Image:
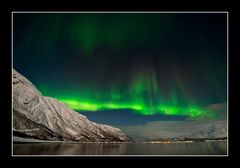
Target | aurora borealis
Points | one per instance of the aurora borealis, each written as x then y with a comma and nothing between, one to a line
146,64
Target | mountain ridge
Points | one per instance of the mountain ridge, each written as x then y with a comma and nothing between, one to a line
46,118
212,131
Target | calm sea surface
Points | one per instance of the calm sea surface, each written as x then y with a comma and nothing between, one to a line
196,148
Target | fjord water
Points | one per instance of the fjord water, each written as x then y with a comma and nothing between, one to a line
196,148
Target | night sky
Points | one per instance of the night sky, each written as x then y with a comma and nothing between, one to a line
127,69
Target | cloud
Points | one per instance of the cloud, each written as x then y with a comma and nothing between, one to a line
168,129
217,106
220,109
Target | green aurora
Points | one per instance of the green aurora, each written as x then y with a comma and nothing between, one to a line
138,108
167,64
135,100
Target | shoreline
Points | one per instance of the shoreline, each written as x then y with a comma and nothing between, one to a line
20,140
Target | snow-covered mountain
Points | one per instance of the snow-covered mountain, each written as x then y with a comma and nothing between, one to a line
212,131
46,118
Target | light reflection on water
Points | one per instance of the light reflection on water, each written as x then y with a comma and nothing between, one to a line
197,148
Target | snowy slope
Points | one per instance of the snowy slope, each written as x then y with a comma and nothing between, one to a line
46,118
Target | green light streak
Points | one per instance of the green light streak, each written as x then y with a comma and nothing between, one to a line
81,106
143,97
137,108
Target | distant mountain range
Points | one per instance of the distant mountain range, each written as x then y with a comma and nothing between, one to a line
213,131
45,118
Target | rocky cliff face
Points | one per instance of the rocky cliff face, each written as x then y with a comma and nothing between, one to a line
46,118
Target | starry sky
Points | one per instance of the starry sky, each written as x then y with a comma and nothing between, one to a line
127,69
